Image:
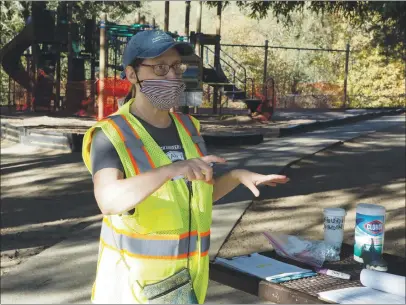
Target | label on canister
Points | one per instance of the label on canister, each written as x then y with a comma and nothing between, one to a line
369,229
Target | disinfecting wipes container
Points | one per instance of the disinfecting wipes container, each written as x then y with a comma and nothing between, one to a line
369,229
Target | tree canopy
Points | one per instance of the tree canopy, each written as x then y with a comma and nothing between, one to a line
115,9
13,13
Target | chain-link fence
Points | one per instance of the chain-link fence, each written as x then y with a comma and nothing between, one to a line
322,78
304,78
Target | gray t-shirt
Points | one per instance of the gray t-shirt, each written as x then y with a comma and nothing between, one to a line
104,155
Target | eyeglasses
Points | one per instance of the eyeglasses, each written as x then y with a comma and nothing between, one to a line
162,69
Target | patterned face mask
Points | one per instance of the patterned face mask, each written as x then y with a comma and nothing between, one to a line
163,94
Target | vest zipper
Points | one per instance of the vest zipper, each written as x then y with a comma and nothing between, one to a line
190,187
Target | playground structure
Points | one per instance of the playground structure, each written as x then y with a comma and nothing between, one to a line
49,36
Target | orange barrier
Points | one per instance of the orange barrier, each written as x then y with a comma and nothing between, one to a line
114,89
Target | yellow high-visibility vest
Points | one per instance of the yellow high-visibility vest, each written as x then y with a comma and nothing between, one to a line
154,239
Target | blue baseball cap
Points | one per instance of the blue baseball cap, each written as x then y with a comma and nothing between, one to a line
151,44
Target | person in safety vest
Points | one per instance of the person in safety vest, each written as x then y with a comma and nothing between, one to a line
153,182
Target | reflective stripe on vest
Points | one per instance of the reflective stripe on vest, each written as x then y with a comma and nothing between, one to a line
205,243
140,158
157,247
191,130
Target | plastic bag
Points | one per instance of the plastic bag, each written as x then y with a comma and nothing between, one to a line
311,252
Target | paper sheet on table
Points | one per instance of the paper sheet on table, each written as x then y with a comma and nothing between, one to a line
264,267
381,288
360,295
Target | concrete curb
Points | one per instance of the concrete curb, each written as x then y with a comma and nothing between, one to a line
72,142
295,129
233,139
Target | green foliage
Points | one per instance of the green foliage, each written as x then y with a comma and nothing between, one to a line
287,67
319,73
116,10
385,20
11,20
375,81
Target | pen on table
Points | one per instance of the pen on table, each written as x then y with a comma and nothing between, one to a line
333,273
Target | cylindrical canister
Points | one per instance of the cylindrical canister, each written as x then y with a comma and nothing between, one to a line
369,229
334,219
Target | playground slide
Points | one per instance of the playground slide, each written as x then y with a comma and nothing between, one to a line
10,57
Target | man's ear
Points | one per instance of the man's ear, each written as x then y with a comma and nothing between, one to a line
130,73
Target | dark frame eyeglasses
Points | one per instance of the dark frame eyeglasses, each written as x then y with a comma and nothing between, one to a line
163,69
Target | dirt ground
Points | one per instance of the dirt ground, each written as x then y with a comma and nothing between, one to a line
223,124
45,195
369,169
219,124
